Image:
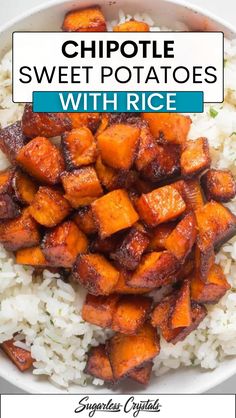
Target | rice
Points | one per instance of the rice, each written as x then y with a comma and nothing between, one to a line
45,312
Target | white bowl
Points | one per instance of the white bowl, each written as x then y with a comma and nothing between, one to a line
50,17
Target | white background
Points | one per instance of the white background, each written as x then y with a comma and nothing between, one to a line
225,9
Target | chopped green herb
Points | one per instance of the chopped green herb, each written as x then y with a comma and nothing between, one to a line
213,112
233,133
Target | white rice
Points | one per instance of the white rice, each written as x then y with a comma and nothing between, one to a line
45,311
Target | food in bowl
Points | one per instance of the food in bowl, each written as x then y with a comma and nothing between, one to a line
130,209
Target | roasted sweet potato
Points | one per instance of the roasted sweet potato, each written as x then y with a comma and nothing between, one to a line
42,160
95,273
84,219
142,374
118,144
86,20
181,315
183,237
81,186
195,157
161,205
107,175
159,234
192,194
31,257
44,124
24,187
20,357
130,313
98,364
127,352
170,127
8,207
204,257
218,185
153,270
147,148
131,248
89,120
49,207
22,232
122,287
12,140
165,165
113,212
100,310
213,289
106,245
62,245
131,26
79,148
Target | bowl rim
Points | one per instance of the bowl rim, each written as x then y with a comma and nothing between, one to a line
221,376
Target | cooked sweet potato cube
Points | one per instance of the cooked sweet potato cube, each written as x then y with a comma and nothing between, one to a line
183,237
219,185
131,248
159,234
188,266
31,256
98,364
195,157
95,273
170,127
122,287
146,149
192,195
118,145
79,147
24,187
20,357
99,310
12,140
161,205
44,124
106,245
165,165
8,208
107,175
162,310
18,233
84,219
62,245
86,20
113,212
204,258
127,352
131,313
181,315
81,186
153,270
142,374
131,26
49,207
89,120
6,177
213,289
42,160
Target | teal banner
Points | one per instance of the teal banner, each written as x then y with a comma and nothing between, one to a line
121,101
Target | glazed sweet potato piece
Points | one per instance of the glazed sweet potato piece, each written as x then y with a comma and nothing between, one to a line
204,257
89,120
12,140
86,20
49,207
79,148
131,248
159,234
95,273
20,357
130,313
98,364
122,287
113,212
170,127
84,219
183,237
195,157
161,205
127,352
44,124
131,26
181,315
62,245
142,374
112,178
146,148
213,289
42,160
153,270
8,207
22,232
24,187
106,245
99,310
192,195
118,144
165,165
81,186
218,185
31,256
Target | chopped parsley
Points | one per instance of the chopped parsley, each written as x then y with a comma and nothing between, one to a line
213,112
233,133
